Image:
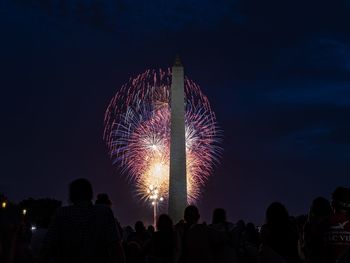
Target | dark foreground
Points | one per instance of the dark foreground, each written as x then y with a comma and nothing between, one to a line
87,232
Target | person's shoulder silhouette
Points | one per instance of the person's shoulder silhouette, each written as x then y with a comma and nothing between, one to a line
82,232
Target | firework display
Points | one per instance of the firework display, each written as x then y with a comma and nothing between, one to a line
137,134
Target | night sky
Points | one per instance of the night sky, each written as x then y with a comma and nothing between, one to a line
277,74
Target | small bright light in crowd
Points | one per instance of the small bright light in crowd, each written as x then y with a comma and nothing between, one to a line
33,228
153,203
24,211
3,204
161,199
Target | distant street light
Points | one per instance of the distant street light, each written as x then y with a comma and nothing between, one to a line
24,212
155,199
4,204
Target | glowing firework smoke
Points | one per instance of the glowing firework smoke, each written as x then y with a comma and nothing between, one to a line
137,133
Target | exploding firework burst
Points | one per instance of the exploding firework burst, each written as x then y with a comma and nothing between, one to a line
137,133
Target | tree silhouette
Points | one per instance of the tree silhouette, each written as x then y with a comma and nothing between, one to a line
40,211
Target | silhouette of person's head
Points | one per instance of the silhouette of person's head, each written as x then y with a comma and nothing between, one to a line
164,223
129,229
103,199
277,214
240,224
250,228
191,214
150,229
80,190
139,227
219,216
320,207
341,199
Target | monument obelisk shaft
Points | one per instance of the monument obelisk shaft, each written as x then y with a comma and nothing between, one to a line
177,177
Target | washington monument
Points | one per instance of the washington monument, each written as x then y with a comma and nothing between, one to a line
177,176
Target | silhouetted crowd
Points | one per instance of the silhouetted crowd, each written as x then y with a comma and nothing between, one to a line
84,232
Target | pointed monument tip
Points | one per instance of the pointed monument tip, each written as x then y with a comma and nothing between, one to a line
177,62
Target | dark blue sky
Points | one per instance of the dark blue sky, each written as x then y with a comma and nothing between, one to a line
276,72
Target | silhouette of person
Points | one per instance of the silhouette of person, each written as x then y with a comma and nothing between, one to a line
82,232
224,248
195,238
103,199
279,235
10,228
313,242
150,230
137,243
164,246
336,233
